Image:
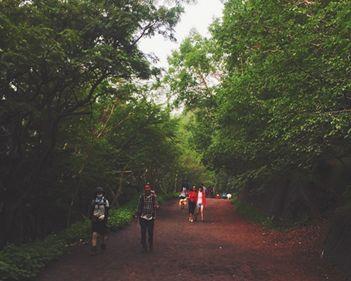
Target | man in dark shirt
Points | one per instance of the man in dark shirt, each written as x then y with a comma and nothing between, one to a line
147,214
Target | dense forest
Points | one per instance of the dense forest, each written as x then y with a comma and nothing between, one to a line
266,102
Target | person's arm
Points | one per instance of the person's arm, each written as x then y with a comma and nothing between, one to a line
107,210
154,207
156,203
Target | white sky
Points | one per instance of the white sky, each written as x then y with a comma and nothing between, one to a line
196,16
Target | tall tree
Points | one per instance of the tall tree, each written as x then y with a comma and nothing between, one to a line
54,55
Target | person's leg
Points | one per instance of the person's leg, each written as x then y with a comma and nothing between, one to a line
190,212
193,206
103,236
103,241
94,238
143,227
150,231
202,212
197,207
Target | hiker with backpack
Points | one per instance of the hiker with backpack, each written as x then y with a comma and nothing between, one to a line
99,215
146,214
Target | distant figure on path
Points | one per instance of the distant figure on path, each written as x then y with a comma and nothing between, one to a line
182,197
201,202
99,215
147,214
192,199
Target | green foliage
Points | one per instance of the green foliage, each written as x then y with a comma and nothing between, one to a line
165,197
191,168
193,71
121,217
252,214
24,262
282,102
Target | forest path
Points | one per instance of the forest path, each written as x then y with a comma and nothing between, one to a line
225,247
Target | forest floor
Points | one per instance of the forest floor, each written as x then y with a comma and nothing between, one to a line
224,247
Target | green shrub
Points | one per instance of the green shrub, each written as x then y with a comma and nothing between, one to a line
251,213
162,198
121,217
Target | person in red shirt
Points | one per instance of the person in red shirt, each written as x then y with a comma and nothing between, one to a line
192,200
201,202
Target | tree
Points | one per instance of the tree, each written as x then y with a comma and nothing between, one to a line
283,101
54,55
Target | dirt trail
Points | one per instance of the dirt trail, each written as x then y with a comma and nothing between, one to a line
225,247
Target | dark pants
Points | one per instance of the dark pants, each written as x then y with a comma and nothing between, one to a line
147,226
100,227
192,206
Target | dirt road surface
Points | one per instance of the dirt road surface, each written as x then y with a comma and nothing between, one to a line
225,247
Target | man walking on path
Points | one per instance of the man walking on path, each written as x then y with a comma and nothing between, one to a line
99,215
147,214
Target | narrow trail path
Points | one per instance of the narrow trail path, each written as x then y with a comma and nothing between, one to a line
225,247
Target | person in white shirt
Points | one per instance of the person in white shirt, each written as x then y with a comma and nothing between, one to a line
201,202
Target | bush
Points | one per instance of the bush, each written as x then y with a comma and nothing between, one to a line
121,217
24,262
252,214
162,198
